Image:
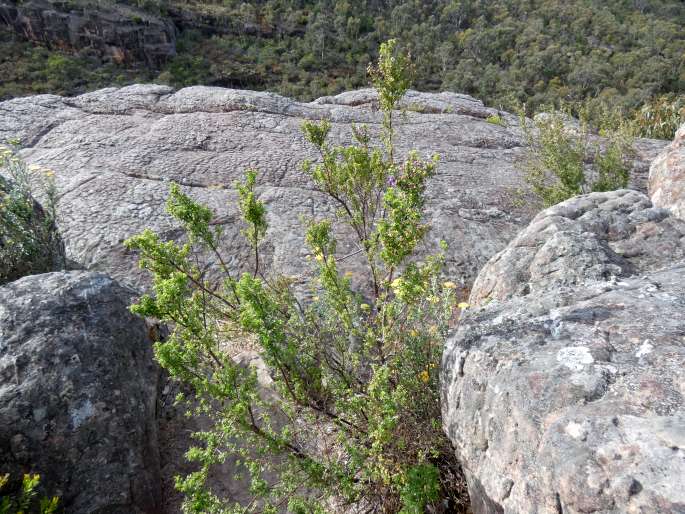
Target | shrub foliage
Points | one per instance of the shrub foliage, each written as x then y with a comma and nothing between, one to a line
26,500
355,418
568,157
29,242
660,118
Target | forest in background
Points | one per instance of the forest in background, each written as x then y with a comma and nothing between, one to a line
620,53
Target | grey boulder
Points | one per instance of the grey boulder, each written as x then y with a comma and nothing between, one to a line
78,393
563,385
667,176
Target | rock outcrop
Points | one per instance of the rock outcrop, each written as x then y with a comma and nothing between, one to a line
115,151
667,176
563,387
78,393
117,32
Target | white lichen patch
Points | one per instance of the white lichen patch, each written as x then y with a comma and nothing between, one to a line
575,357
576,430
85,411
95,285
644,349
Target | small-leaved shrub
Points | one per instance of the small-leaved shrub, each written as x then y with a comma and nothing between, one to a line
356,418
495,119
661,117
26,500
568,157
29,242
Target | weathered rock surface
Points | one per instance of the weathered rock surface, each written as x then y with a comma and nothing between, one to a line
667,176
114,152
117,32
563,388
78,393
591,237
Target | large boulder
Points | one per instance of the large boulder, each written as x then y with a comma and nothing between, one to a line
667,176
114,152
78,393
563,387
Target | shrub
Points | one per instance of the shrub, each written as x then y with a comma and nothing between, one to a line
26,501
356,419
661,117
495,119
566,158
29,242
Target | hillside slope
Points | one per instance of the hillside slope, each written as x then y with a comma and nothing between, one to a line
535,52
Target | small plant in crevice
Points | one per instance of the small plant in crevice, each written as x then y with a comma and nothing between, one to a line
495,119
355,419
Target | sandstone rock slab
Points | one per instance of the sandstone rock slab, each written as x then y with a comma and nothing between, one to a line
116,150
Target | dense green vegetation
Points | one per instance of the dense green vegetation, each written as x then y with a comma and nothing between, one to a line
29,69
536,52
660,117
566,159
29,242
26,500
356,418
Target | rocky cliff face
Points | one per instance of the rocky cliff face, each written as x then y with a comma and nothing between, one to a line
117,32
563,388
115,151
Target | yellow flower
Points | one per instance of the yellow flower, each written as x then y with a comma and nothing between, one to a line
463,305
413,332
364,306
449,285
319,257
316,298
349,274
424,376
